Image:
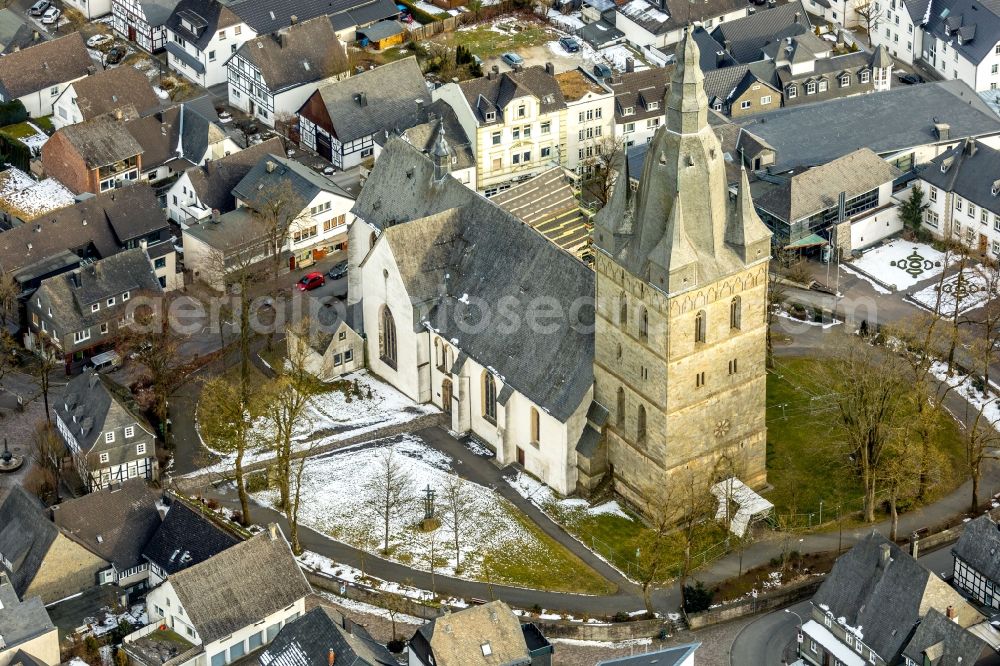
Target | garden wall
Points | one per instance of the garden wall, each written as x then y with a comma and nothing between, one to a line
762,604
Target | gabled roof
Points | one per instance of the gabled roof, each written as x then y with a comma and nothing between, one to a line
181,132
456,244
273,176
353,14
266,16
296,55
309,640
113,89
106,221
499,90
979,545
207,16
377,100
976,22
674,656
948,644
15,33
70,295
489,635
817,189
157,11
44,65
26,533
973,172
100,141
240,586
630,88
729,83
887,122
20,622
425,135
185,538
214,181
745,38
678,14
114,523
880,592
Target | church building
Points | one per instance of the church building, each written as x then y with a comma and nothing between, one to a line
653,362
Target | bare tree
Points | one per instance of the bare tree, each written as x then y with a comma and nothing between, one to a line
389,490
459,513
868,389
871,12
8,300
776,292
609,153
45,362
48,451
226,417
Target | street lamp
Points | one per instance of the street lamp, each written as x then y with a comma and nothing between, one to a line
798,635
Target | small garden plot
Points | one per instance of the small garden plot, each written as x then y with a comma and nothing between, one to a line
497,543
901,264
29,134
964,291
487,40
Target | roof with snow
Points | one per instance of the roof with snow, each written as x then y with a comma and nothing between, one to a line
114,523
879,593
241,585
185,538
750,504
309,640
27,199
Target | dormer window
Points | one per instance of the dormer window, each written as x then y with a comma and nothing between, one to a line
111,301
811,88
822,86
845,81
653,106
793,92
865,76
629,110
94,307
490,116
995,190
125,296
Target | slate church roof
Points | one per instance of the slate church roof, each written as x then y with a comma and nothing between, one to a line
185,538
308,641
455,246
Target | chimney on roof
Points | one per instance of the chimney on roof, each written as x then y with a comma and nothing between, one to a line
272,531
420,108
550,69
797,17
118,114
270,166
951,613
91,70
361,99
970,147
942,130
885,553
281,38
629,64
293,19
331,657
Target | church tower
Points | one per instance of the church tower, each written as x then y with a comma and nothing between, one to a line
681,294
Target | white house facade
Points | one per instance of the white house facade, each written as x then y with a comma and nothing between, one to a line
590,120
200,59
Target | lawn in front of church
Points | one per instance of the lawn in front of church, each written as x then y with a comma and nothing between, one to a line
803,464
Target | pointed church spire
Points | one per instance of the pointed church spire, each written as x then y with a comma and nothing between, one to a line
744,230
441,154
673,262
687,103
614,222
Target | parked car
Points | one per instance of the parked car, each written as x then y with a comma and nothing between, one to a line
910,79
570,44
98,40
311,281
51,15
602,71
512,59
39,7
114,55
338,271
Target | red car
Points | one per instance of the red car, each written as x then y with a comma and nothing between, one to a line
311,281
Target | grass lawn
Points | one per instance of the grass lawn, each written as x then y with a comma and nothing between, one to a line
802,464
23,130
490,40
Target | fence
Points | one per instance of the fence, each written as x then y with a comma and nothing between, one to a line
763,603
452,23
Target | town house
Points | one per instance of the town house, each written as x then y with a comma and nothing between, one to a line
142,22
976,570
107,438
638,104
590,113
94,156
39,74
516,121
104,93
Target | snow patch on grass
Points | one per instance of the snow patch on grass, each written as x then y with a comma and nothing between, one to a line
968,289
962,384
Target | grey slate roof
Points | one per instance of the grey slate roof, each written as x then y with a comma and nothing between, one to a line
674,656
970,176
713,54
425,135
681,12
917,9
99,405
114,523
976,21
884,596
157,11
271,174
234,229
390,92
44,65
633,88
240,586
214,181
101,141
308,640
817,189
351,15
499,91
886,122
266,16
953,645
185,126
212,15
381,30
600,33
70,295
478,249
979,546
26,534
296,55
15,33
107,221
20,621
185,538
112,89
729,83
746,37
